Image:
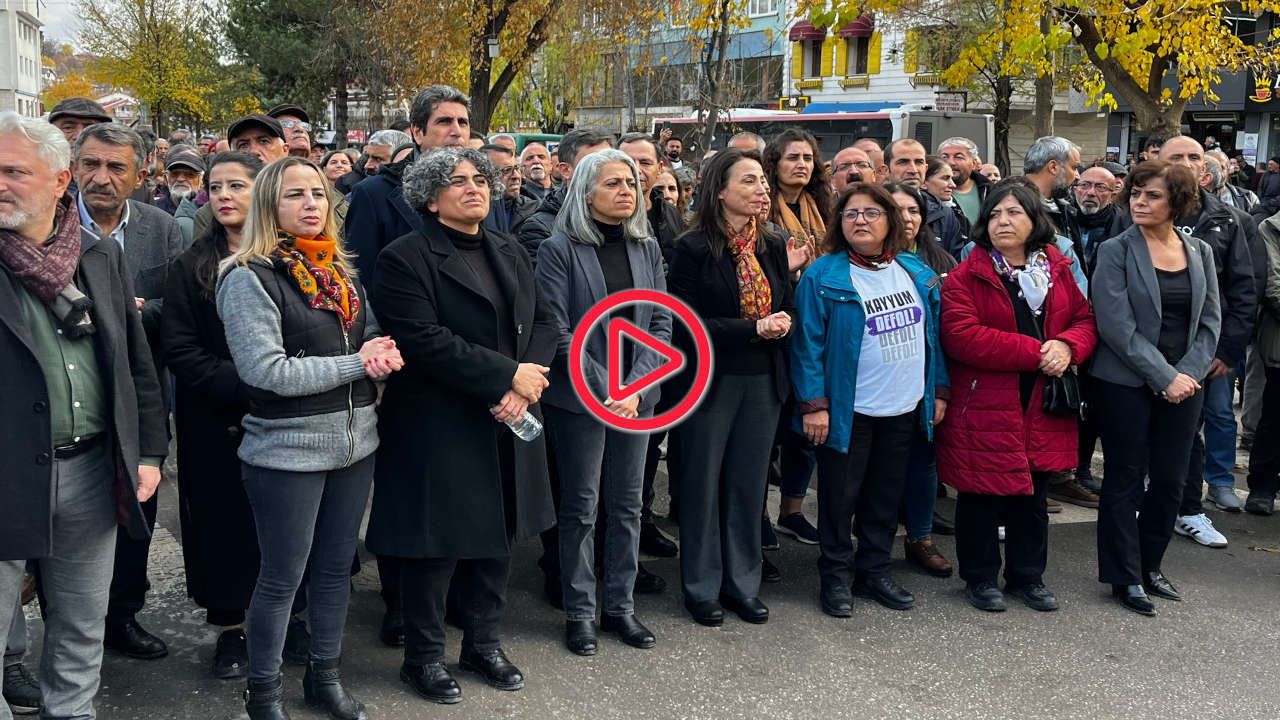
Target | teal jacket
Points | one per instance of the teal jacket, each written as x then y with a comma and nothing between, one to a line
827,342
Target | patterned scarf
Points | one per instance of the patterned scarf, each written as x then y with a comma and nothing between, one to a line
809,223
48,271
1034,279
324,283
873,262
755,297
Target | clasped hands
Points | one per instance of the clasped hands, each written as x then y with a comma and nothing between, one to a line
773,326
1182,387
381,357
526,388
1055,358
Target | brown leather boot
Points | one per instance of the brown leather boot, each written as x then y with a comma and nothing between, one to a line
925,554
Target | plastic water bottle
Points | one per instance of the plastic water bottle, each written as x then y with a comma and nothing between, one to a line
527,428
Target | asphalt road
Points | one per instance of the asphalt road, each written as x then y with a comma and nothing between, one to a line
1212,656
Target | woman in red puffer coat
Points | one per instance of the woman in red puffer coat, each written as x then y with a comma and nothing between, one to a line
1012,317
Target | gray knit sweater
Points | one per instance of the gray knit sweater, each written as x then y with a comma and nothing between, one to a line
314,443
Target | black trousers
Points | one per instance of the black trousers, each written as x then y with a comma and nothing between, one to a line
481,588
129,584
1264,459
1026,523
651,458
867,481
1144,437
1088,429
389,571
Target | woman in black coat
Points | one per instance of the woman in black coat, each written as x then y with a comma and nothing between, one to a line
456,488
219,542
736,276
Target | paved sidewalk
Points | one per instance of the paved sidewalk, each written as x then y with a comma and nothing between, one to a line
1213,656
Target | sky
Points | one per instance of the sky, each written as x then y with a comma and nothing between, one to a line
60,23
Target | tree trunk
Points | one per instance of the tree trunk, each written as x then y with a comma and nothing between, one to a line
480,77
1044,88
377,119
1003,101
1157,120
340,97
714,70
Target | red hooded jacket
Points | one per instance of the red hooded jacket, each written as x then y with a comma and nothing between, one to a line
986,443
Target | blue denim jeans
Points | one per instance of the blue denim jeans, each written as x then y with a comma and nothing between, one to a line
921,492
1213,454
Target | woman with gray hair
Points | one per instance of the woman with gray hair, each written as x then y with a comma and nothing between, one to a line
458,488
600,247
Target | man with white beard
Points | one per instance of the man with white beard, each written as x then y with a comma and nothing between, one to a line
184,171
1094,194
534,164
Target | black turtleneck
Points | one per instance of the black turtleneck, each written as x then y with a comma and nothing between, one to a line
613,258
471,248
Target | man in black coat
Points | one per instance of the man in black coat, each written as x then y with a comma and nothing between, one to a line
441,117
83,425
574,145
517,206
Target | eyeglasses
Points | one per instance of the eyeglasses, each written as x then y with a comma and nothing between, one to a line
1100,187
510,170
845,166
290,124
870,214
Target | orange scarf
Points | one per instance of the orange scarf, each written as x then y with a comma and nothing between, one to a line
324,283
755,297
809,223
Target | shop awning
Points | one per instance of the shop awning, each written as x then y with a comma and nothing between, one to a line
805,30
864,26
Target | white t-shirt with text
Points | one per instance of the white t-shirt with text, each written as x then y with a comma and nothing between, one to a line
891,365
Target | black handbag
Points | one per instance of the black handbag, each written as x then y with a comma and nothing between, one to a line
1061,395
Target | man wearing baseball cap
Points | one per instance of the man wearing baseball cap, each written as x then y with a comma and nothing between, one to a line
73,115
297,128
184,171
256,134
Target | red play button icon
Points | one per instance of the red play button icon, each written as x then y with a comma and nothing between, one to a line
620,329
619,333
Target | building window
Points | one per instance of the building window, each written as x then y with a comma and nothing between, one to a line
857,50
757,8
813,59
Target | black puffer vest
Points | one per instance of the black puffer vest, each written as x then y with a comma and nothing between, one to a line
307,332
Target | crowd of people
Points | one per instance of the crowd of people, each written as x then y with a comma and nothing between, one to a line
895,320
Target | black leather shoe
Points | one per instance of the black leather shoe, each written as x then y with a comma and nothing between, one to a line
653,542
580,637
749,609
433,682
1036,596
707,612
885,591
985,596
231,655
552,590
629,630
768,571
392,632
297,642
494,667
648,583
129,638
1157,584
1134,598
942,526
836,600
264,700
21,690
322,688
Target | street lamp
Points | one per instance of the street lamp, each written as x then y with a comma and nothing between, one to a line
492,42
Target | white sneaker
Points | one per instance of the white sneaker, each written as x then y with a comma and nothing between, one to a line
1200,528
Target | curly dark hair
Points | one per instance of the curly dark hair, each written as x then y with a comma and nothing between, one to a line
1043,233
819,186
1184,191
835,241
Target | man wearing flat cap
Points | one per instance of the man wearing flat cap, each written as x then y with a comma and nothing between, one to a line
184,171
297,128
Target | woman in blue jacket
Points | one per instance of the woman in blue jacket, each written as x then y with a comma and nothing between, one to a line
866,367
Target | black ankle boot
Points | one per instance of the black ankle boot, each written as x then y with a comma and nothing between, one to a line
263,700
322,688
